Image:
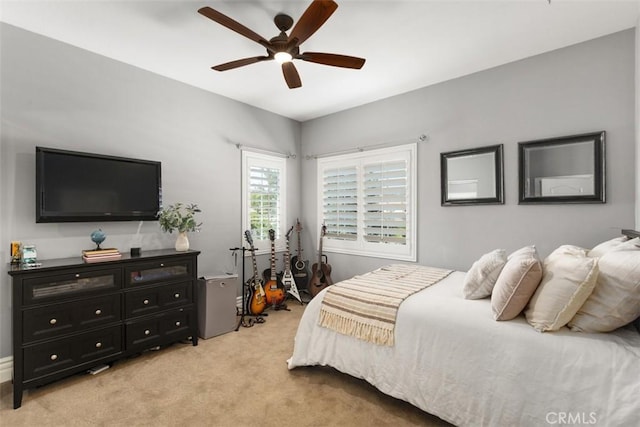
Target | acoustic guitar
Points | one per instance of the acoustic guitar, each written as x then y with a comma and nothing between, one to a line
273,288
320,271
300,267
256,300
287,277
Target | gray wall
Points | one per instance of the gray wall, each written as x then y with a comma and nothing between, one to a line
637,120
579,89
56,95
60,96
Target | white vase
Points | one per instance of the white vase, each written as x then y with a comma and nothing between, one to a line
182,242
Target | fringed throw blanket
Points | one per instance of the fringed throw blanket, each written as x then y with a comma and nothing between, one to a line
366,306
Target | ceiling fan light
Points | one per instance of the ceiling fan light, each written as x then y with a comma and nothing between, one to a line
283,57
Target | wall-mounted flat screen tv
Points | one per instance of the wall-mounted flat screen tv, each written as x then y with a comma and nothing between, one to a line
83,187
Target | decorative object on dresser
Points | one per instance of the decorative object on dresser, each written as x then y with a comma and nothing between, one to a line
97,237
181,218
69,316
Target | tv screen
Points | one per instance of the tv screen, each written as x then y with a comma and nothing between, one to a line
84,187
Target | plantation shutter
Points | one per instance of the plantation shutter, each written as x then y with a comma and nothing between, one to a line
340,202
264,191
385,202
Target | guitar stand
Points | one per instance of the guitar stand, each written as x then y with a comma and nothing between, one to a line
256,318
281,306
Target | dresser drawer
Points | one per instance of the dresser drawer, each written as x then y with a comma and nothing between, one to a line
70,285
57,319
154,299
157,272
51,357
163,328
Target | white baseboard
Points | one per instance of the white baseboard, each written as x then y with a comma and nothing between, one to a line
6,369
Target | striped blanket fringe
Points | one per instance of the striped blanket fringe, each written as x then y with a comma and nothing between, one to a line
366,306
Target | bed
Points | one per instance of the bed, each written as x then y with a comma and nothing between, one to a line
452,359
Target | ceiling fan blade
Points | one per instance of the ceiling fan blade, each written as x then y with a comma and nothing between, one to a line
332,59
311,20
241,63
291,75
233,25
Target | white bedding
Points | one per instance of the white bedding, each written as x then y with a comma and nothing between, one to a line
453,360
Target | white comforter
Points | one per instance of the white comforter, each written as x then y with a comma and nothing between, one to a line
453,360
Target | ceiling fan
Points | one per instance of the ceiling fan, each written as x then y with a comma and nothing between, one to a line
285,48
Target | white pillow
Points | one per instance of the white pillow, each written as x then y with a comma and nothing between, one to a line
568,278
482,276
607,246
615,300
526,250
516,284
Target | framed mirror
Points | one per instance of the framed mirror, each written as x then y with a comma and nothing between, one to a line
568,169
472,177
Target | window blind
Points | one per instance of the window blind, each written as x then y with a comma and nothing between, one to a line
340,202
385,202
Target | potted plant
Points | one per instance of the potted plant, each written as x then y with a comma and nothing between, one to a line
181,218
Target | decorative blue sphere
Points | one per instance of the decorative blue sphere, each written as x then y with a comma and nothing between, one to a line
98,237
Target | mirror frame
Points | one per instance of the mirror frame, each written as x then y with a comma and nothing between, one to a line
498,199
597,139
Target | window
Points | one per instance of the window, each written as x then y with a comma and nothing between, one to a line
369,203
263,198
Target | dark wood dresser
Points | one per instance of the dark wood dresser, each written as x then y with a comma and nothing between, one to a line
70,316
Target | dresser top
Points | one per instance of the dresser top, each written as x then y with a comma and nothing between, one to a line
54,264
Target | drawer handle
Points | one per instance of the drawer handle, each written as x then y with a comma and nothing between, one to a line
147,332
98,312
161,265
178,323
145,302
176,295
53,321
77,275
53,357
98,344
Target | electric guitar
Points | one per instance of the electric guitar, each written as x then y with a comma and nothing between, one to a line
320,271
287,277
300,267
256,300
274,289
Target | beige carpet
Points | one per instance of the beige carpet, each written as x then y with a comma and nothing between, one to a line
236,379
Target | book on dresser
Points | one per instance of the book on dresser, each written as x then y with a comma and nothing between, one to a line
99,255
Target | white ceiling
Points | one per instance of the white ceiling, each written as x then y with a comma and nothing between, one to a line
407,44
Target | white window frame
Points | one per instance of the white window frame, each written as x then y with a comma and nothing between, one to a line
254,159
403,252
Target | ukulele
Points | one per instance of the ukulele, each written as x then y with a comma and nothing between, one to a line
273,288
300,267
256,301
320,272
287,277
